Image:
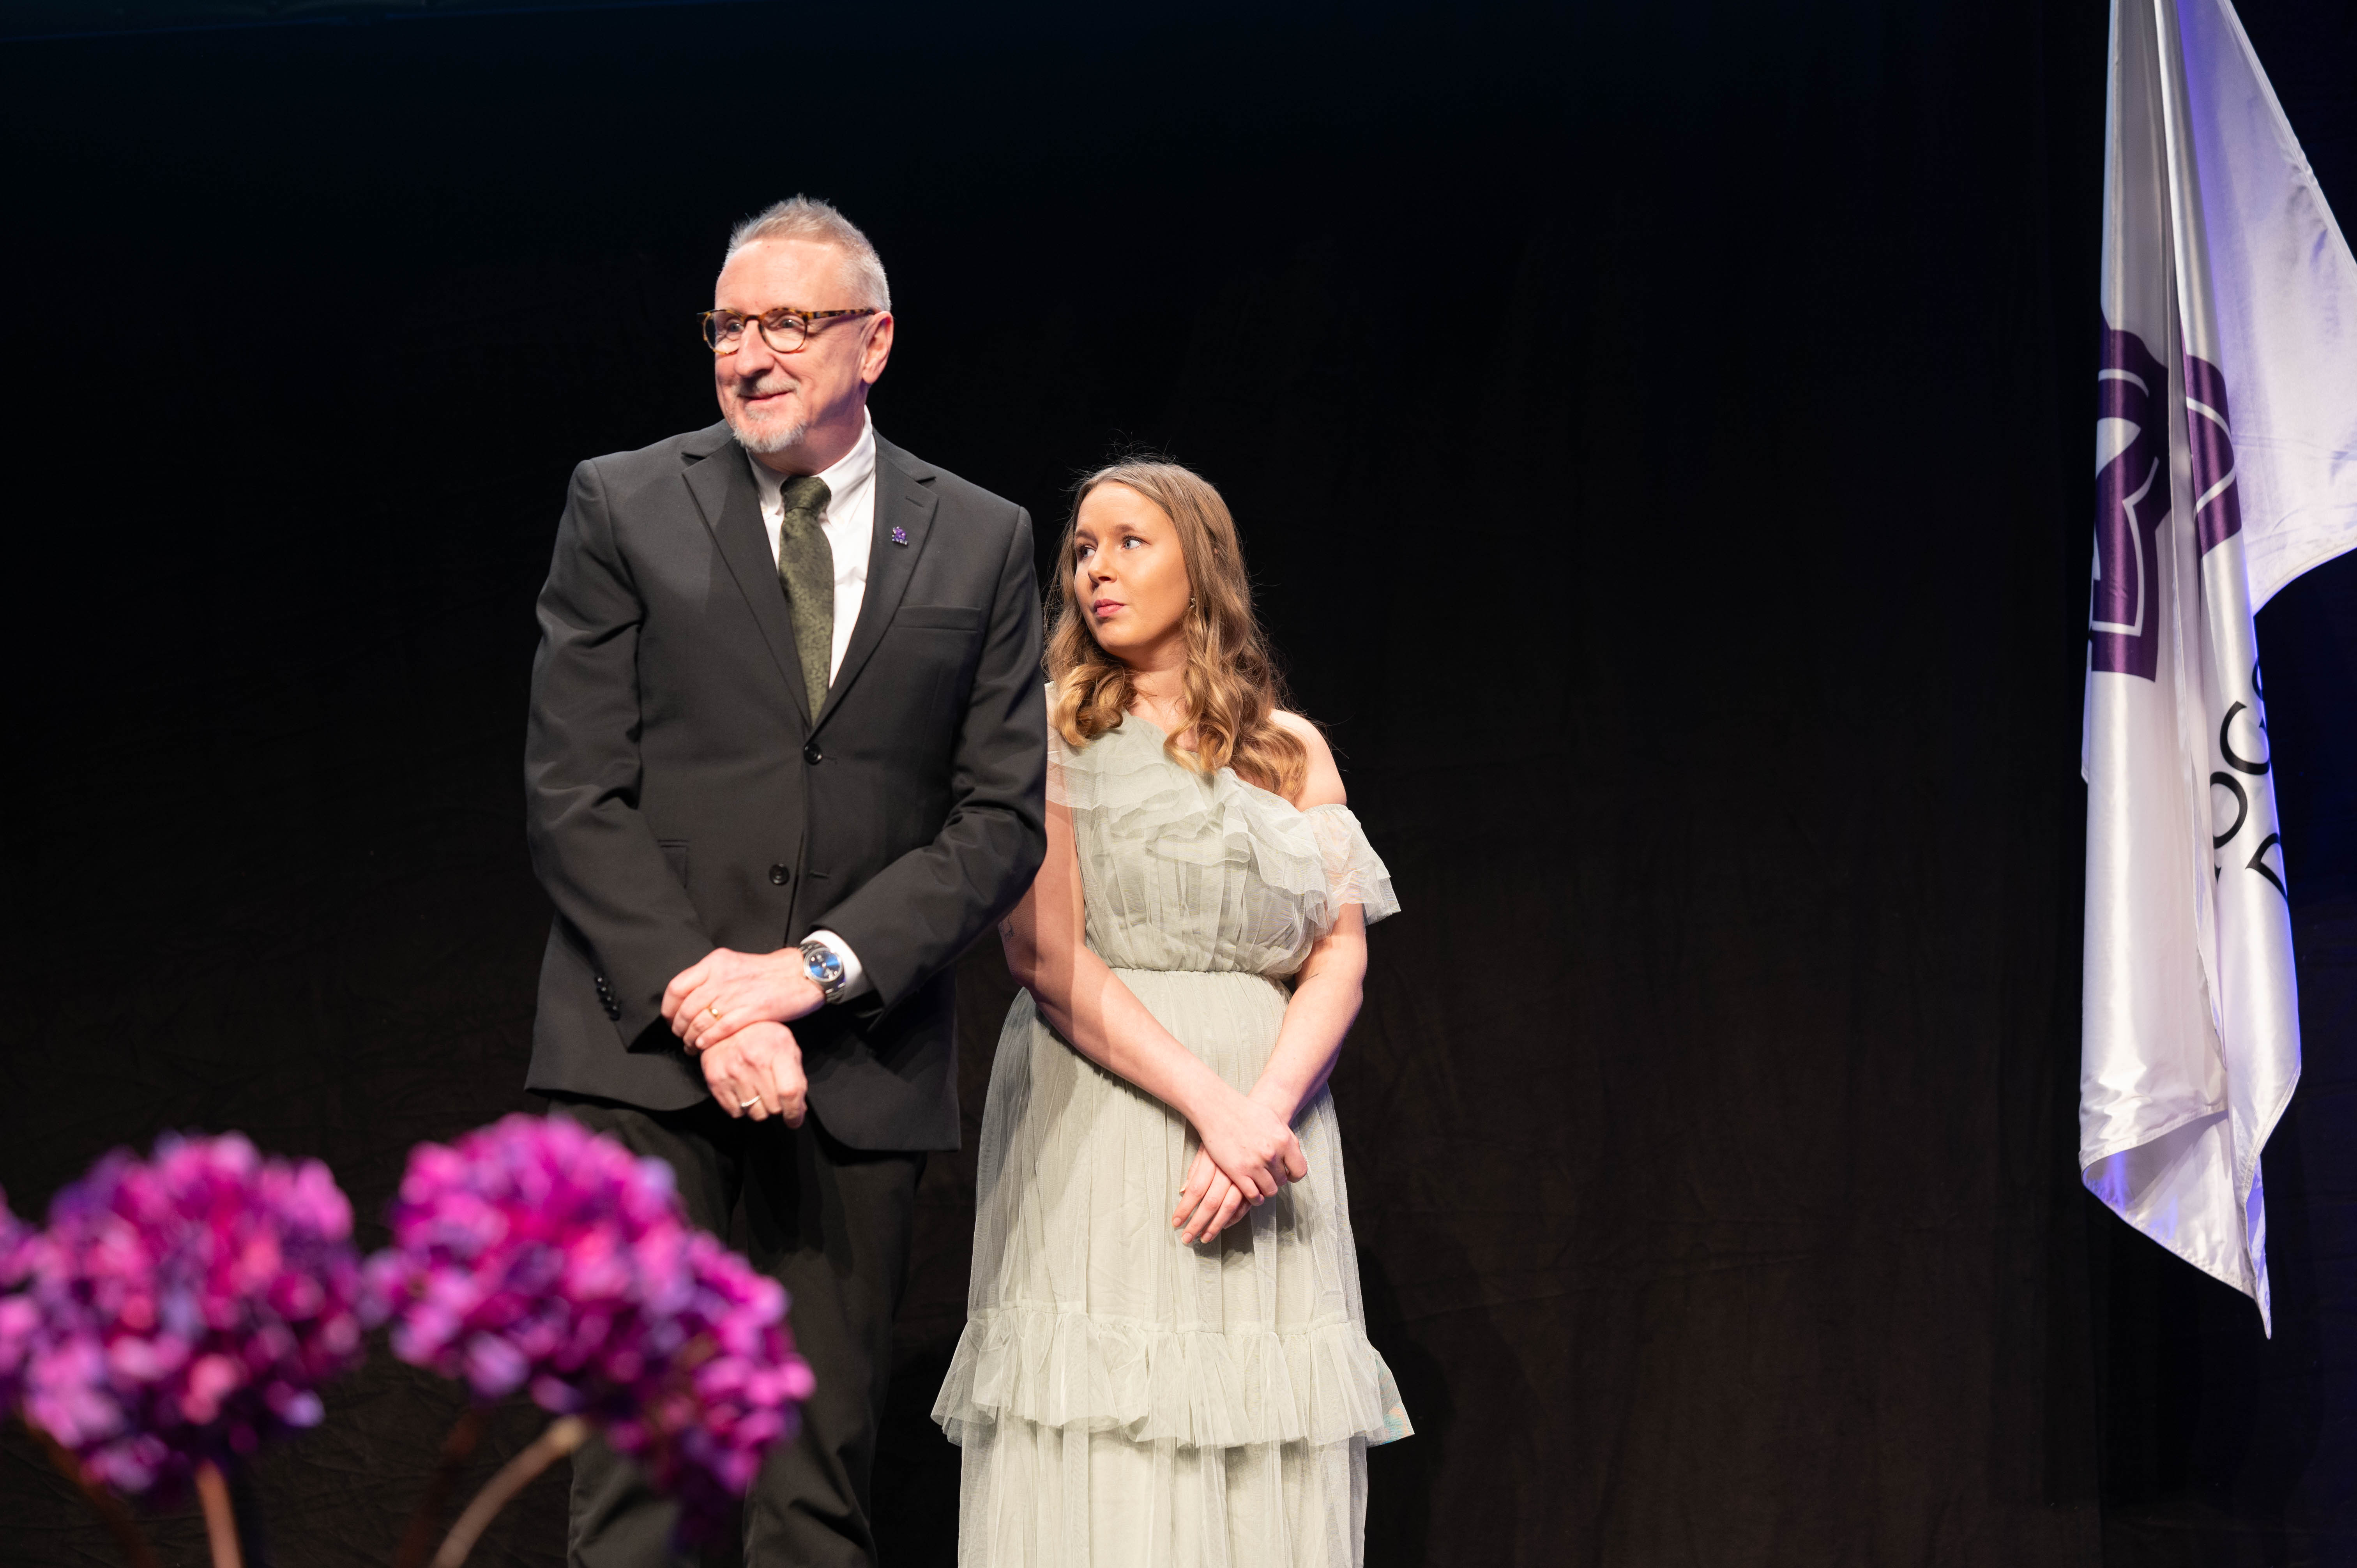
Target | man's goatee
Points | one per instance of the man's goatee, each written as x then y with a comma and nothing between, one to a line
773,441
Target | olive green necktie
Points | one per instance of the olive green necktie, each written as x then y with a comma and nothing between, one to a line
806,568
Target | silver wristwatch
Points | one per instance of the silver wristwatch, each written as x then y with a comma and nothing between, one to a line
824,967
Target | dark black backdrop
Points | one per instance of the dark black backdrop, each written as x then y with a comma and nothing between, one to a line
1659,435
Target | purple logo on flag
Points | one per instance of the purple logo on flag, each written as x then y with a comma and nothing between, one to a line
2132,493
2131,503
2217,510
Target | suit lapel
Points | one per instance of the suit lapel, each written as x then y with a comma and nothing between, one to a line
723,486
905,502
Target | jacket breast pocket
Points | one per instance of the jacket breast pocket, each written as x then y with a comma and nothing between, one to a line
937,618
931,654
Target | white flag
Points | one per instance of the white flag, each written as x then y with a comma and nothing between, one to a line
2226,465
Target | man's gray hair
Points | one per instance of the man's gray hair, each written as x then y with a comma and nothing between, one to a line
807,218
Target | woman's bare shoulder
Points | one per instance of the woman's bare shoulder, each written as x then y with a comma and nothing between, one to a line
1322,785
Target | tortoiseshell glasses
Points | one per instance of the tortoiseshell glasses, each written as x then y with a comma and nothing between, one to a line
786,331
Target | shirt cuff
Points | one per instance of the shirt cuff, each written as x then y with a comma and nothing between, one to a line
855,976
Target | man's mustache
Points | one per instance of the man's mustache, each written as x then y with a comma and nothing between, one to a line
762,386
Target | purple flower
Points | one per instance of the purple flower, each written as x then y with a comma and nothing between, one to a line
188,1308
538,1256
18,1317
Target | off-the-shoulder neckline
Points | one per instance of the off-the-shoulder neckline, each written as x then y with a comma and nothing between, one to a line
1237,779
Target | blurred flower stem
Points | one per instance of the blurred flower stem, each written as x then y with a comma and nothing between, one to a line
563,1435
110,1508
220,1517
457,1449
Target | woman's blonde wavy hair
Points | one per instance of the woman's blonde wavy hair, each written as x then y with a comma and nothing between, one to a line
1232,687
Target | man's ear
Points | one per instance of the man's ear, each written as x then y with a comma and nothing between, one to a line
879,350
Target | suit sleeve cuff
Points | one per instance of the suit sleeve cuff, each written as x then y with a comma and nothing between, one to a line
855,974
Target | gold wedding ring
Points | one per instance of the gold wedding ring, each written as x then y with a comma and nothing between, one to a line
713,1008
749,1104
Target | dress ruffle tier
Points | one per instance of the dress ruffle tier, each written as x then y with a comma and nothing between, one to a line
1200,1388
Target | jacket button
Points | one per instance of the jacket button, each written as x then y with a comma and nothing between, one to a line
812,755
779,876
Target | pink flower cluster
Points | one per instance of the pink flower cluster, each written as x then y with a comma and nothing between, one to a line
18,1316
536,1254
185,1307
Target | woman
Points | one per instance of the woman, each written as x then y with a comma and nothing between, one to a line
1164,1362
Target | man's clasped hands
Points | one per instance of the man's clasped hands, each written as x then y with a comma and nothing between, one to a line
730,1010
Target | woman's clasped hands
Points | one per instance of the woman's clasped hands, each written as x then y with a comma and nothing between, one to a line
1248,1152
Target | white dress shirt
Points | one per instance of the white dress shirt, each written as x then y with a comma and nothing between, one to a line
849,524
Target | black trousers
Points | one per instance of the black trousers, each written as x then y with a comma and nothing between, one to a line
834,1226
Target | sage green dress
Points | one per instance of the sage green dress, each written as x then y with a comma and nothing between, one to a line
1124,1400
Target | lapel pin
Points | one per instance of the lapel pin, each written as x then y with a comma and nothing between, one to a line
900,536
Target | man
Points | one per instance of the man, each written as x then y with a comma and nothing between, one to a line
785,761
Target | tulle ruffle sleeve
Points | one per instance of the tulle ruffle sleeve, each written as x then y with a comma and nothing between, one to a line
1354,873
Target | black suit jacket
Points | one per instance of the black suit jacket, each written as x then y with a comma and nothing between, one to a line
681,797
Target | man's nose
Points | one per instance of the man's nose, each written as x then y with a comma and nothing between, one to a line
754,355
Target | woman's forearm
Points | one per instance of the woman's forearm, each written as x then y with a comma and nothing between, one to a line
1326,996
1083,1000
1307,1042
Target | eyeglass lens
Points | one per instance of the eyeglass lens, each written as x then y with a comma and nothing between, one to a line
725,329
